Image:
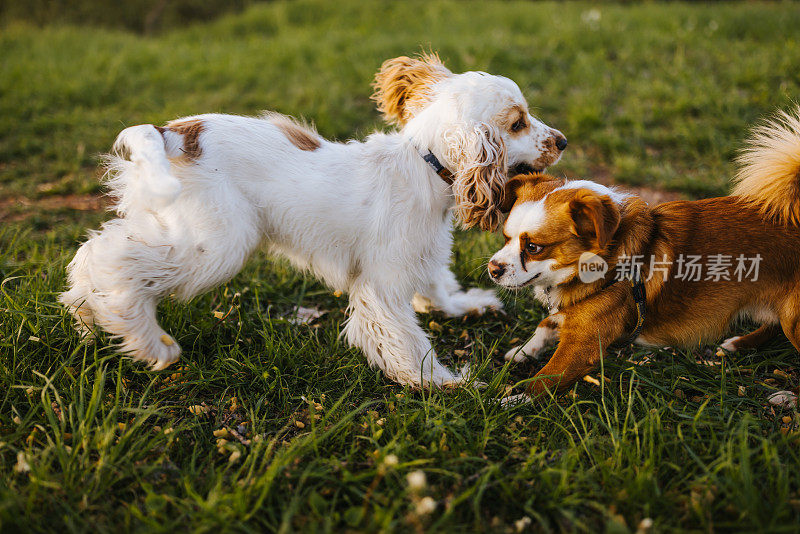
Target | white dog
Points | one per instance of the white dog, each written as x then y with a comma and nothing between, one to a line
371,218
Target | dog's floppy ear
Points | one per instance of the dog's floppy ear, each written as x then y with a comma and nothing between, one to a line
517,186
510,192
477,154
402,85
594,216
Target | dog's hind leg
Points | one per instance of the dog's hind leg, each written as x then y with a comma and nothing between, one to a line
790,323
77,297
386,329
116,280
132,316
753,340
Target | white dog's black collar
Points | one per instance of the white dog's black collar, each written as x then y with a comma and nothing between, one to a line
438,168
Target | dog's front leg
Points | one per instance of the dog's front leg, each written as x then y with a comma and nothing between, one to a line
544,336
570,363
445,294
580,349
385,328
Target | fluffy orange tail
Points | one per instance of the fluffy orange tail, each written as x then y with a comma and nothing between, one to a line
769,172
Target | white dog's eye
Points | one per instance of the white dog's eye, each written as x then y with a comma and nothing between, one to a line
533,248
517,126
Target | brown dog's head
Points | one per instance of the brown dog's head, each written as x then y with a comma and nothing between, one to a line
476,124
552,223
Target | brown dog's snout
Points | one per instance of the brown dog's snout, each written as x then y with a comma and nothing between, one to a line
496,269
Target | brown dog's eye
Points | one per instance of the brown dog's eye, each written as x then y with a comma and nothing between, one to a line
517,126
533,248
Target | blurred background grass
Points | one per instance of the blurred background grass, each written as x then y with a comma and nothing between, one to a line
140,16
650,94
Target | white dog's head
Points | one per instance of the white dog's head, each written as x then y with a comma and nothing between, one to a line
477,124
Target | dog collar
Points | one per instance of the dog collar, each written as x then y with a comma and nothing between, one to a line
640,298
438,168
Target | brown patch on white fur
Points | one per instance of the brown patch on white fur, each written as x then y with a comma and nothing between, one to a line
190,130
516,115
302,136
402,85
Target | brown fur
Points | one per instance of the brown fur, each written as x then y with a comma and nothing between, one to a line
301,136
679,312
402,85
190,130
513,115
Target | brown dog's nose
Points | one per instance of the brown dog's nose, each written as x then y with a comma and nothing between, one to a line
561,142
496,269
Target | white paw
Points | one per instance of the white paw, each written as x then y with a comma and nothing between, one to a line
160,353
516,354
474,301
440,377
730,344
482,300
514,400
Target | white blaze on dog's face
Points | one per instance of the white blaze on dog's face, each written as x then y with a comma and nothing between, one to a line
477,124
552,223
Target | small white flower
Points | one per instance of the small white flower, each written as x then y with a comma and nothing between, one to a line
22,463
591,16
644,526
425,506
391,460
522,524
417,480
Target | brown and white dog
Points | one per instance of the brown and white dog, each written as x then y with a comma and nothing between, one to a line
372,219
749,244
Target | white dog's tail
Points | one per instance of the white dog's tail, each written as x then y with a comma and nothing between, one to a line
138,171
769,173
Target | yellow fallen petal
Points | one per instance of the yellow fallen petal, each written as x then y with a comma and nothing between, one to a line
591,380
166,340
222,433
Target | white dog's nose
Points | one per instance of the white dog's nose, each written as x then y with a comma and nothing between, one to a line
561,141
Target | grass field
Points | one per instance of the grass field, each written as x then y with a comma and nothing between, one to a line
654,95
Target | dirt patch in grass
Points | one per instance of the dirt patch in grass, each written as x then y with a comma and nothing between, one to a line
20,208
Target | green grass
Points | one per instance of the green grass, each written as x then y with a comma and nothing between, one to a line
657,94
